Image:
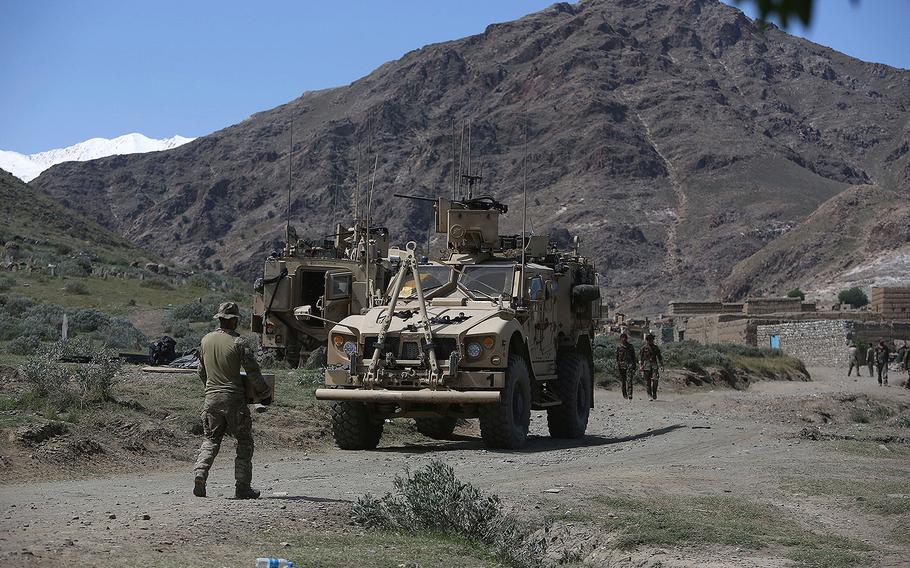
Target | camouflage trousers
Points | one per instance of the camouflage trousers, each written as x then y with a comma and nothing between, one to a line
626,375
651,377
220,416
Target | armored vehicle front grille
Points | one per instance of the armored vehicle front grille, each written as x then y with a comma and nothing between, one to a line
369,345
445,347
410,350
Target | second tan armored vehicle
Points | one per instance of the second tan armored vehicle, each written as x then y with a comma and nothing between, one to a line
479,334
335,278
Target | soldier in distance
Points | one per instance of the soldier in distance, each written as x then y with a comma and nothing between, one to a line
227,394
650,363
855,356
870,359
625,364
882,358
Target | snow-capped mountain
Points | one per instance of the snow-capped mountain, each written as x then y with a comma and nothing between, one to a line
29,166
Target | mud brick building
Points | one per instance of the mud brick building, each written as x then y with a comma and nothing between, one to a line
892,303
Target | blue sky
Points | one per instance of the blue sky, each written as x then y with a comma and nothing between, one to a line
72,70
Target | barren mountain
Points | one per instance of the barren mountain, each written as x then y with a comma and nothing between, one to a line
694,153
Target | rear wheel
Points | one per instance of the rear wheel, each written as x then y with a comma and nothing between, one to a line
573,386
438,428
505,425
354,427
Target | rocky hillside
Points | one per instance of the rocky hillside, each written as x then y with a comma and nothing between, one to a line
29,217
694,153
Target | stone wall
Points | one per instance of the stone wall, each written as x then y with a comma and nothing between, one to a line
821,343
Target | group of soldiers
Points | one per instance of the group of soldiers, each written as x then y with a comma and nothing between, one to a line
649,362
877,357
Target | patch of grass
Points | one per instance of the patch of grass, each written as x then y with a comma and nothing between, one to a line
870,449
881,497
729,521
379,549
875,413
772,367
76,288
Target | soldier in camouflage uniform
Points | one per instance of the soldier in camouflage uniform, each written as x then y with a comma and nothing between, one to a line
227,394
625,364
651,361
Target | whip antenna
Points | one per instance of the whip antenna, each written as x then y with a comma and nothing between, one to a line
524,213
287,227
368,221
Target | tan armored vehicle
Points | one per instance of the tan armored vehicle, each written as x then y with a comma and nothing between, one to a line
488,332
332,278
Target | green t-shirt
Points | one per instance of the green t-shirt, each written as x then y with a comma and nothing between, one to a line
222,355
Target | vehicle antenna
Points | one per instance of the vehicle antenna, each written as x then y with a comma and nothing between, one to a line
524,214
367,237
287,227
334,188
461,157
355,197
469,154
454,160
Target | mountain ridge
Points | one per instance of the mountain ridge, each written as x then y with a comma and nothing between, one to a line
688,148
29,166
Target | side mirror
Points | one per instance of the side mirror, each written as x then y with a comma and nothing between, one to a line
303,313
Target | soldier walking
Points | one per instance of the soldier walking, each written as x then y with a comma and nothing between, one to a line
225,410
651,361
855,359
625,364
870,359
882,358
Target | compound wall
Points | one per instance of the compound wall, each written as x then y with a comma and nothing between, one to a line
820,343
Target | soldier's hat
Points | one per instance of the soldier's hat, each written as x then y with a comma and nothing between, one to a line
228,310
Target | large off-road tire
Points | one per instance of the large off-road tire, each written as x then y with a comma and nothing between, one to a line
354,427
573,387
438,428
505,425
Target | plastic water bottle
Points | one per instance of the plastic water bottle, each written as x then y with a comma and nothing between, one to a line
273,563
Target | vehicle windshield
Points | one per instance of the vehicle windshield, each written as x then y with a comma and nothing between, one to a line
488,281
432,276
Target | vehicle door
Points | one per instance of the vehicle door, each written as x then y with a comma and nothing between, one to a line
541,335
336,304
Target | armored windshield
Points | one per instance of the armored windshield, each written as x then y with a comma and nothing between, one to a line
487,280
432,276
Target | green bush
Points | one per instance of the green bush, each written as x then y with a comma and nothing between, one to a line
88,319
65,385
42,320
77,288
853,296
120,333
23,345
190,341
797,293
157,283
75,267
433,500
6,283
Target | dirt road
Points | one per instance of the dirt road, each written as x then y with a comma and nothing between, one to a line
742,444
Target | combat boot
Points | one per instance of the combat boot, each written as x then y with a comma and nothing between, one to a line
245,492
199,487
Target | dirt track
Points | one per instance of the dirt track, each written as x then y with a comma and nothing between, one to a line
695,443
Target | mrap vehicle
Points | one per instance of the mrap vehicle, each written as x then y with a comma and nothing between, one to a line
335,278
500,326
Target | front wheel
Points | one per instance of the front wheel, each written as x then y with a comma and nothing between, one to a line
354,427
505,425
573,386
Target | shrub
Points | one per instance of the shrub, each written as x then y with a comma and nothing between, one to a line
797,293
6,283
89,319
75,267
120,333
853,296
190,341
16,305
157,283
78,288
65,385
43,320
433,500
177,328
10,327
23,345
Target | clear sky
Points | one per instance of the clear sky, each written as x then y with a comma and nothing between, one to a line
72,70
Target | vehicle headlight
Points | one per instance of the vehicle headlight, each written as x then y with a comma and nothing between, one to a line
474,349
345,343
350,348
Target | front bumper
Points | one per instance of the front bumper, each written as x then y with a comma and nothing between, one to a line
418,378
421,396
